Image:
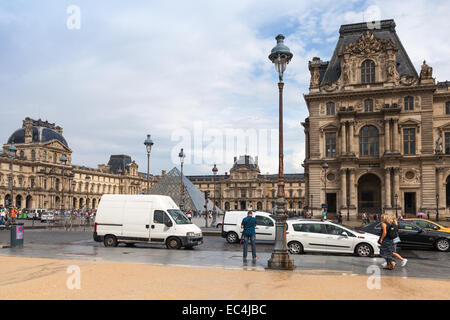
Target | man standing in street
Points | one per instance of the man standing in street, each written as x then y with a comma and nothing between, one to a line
248,224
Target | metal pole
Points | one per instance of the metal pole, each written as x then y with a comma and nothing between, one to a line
11,205
280,258
62,191
437,207
181,189
214,202
148,172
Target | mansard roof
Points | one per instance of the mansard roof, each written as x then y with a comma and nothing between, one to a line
350,33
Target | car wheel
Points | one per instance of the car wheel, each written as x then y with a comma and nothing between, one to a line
364,250
442,245
295,247
173,243
110,241
232,237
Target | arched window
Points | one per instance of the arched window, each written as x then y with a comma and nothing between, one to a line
368,105
409,103
330,108
368,71
368,141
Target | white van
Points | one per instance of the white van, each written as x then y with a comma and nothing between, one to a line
231,226
144,219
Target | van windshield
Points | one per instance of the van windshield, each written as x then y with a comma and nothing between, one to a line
179,217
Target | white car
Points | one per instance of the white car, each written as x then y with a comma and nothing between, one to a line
305,235
47,216
231,230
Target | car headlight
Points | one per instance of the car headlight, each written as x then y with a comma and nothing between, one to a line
190,234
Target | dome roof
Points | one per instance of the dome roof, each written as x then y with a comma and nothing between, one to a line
40,134
246,161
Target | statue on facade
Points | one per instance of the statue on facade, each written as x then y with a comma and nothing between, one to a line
439,145
426,72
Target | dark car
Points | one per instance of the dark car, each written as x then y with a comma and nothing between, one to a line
412,235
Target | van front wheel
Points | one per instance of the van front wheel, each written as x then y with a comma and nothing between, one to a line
173,243
110,241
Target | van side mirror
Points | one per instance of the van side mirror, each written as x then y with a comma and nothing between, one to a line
168,223
344,234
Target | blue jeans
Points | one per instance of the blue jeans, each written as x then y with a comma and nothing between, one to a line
252,239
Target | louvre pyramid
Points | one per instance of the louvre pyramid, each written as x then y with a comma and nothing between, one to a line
169,185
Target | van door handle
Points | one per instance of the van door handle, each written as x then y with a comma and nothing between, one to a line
146,226
153,226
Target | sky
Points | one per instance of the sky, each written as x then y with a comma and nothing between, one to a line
193,74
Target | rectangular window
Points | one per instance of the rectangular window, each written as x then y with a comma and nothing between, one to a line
330,145
368,106
409,141
447,143
330,109
447,107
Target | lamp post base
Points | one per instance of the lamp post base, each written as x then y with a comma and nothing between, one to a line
280,261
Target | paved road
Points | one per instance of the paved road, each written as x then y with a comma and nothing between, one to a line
216,253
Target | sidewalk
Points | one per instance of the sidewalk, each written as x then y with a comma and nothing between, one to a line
49,279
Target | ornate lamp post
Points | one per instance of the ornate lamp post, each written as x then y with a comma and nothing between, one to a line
396,198
182,155
437,206
73,192
280,259
12,150
148,145
63,161
214,170
325,167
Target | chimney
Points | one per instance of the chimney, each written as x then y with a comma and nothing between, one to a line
256,160
59,130
163,173
235,159
28,124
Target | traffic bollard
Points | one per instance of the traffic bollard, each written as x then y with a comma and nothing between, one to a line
16,233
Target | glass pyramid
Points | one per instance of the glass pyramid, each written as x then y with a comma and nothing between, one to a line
169,185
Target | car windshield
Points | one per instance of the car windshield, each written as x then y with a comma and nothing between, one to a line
179,217
353,229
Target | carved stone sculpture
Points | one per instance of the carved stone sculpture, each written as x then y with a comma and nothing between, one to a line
426,72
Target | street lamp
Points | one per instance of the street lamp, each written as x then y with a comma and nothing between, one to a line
12,150
182,155
348,208
325,167
396,197
73,194
148,145
214,170
280,259
437,206
63,161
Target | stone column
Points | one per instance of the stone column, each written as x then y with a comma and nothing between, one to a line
387,138
350,138
352,189
343,138
343,188
396,136
441,187
387,188
397,187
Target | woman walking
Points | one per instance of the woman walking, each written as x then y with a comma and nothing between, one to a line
386,241
396,240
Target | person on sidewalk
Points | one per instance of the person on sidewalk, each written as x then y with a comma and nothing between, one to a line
248,225
386,242
339,217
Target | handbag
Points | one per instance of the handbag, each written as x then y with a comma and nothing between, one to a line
396,240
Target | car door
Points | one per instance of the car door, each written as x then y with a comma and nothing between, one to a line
265,228
158,228
339,239
411,234
313,236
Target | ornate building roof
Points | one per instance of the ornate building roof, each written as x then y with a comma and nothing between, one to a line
352,38
42,131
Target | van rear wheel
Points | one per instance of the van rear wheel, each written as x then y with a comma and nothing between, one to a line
232,237
110,241
173,243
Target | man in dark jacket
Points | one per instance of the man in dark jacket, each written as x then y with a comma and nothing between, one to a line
248,224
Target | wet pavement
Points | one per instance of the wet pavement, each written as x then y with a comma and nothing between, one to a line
217,253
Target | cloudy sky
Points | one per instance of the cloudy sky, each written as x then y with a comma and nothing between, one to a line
193,74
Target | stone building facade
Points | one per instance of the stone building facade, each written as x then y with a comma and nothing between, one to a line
382,128
246,188
38,172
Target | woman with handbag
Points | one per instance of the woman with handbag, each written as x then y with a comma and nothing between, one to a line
396,241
